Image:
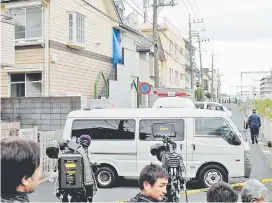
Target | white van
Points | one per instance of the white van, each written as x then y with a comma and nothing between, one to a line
121,141
173,102
213,106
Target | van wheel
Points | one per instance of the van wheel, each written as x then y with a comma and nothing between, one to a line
212,174
105,177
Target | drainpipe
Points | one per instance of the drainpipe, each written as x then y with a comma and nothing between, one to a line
46,50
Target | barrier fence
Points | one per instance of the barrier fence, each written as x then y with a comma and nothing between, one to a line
41,137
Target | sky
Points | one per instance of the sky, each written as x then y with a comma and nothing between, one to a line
239,33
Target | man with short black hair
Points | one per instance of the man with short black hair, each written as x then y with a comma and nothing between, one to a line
20,172
221,192
152,182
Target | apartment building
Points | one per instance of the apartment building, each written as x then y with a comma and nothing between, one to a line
7,46
266,87
172,66
60,47
188,71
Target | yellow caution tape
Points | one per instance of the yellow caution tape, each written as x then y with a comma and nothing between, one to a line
267,180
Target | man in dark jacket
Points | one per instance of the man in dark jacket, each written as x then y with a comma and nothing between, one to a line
153,182
20,169
254,123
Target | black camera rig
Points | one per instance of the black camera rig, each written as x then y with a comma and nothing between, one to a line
75,172
173,163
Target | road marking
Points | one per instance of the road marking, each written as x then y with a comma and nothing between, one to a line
266,151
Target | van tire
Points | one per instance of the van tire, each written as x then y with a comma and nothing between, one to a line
212,171
105,177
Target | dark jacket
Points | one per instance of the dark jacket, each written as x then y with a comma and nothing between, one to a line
254,121
16,197
141,198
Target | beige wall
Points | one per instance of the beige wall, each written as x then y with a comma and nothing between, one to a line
75,74
98,27
29,57
4,81
26,59
75,71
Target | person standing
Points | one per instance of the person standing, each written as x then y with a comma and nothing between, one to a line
20,169
254,124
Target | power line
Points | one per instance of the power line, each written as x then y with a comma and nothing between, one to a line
135,10
197,9
192,8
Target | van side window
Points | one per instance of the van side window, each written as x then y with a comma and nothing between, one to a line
211,127
171,127
105,129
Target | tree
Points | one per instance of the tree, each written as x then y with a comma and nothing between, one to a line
199,94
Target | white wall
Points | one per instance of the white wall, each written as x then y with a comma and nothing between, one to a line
121,94
136,64
7,43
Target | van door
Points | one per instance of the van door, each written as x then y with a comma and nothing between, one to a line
113,142
212,141
148,127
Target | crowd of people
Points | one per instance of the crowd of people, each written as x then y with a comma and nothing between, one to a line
20,174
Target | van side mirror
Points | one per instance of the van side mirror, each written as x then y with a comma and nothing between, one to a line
235,140
219,108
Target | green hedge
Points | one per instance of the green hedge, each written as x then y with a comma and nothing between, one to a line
263,106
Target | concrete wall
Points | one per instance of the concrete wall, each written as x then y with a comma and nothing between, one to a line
47,113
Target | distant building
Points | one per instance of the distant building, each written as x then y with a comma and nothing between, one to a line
266,87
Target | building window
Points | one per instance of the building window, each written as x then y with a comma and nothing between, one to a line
109,129
26,85
171,76
28,22
151,130
181,76
77,28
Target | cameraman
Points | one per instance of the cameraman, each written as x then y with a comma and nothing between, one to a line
153,182
20,172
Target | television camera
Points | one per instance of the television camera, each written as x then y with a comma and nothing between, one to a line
75,172
171,160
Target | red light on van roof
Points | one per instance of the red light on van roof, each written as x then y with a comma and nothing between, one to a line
173,94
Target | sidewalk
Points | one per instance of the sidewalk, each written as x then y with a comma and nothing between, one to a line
267,151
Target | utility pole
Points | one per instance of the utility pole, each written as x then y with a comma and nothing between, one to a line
155,38
190,49
212,76
200,58
145,10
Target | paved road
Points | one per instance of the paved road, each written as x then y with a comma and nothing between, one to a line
128,188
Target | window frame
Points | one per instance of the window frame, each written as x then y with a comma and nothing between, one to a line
74,27
112,119
166,119
211,136
25,19
25,82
